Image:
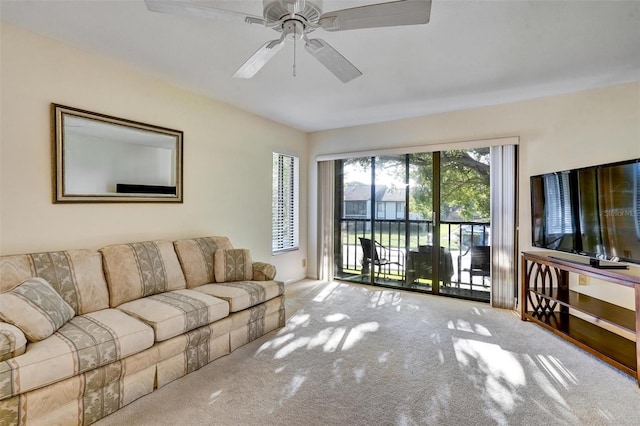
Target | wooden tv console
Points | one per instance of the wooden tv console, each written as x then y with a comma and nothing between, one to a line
547,300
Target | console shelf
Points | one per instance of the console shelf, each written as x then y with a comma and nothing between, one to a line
547,301
608,312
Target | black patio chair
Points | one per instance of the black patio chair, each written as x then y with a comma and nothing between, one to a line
480,264
382,256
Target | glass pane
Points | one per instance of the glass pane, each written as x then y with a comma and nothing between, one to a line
389,227
354,205
419,260
421,198
465,194
465,219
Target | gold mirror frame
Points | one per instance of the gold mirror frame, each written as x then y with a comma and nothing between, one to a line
103,159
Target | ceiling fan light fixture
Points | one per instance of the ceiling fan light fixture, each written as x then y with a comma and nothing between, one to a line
293,29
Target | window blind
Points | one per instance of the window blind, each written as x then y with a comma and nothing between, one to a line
285,203
504,219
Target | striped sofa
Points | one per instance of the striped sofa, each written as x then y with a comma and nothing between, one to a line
83,333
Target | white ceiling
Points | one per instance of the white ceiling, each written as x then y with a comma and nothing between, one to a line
472,53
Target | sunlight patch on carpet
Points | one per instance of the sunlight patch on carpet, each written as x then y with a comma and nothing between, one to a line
336,317
357,333
294,386
333,342
326,292
557,371
275,342
291,347
496,371
299,319
543,382
462,325
385,298
321,338
330,339
214,396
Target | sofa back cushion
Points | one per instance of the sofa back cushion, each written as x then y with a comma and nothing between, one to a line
197,258
141,269
76,275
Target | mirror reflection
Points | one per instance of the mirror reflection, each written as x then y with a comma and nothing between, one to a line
102,158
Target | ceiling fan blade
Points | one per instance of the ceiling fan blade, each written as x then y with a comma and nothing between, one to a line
332,59
198,11
259,59
403,12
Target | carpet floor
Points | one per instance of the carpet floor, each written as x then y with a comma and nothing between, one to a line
359,355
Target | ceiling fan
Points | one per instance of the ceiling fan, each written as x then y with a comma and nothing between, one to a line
297,18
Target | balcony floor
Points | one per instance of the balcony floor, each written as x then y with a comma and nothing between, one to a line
477,291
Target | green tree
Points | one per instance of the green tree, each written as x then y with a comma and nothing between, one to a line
464,174
464,190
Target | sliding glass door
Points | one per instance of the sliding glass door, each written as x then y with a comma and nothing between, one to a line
414,221
464,206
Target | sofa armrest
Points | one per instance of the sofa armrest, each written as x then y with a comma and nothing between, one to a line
263,271
12,341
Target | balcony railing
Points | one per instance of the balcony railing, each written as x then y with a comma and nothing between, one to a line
456,239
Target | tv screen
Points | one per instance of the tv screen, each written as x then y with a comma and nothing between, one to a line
593,211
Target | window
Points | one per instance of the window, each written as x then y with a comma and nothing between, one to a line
403,192
284,203
355,209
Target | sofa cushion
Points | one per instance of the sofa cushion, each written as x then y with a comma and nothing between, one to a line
233,265
84,398
35,308
82,344
176,312
243,294
76,275
254,322
141,269
255,313
196,258
13,342
190,351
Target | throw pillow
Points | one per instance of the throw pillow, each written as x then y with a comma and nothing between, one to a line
12,341
232,265
263,271
35,308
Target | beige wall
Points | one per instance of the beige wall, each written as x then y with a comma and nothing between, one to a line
228,151
556,133
227,157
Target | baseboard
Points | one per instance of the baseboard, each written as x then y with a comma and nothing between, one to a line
293,280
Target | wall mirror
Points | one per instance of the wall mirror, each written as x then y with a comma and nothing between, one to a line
99,158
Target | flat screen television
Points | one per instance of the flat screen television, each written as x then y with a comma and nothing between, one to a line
591,211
